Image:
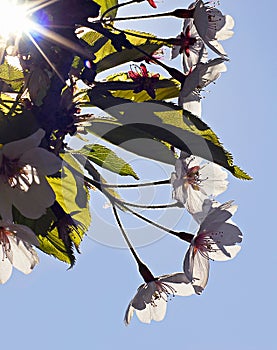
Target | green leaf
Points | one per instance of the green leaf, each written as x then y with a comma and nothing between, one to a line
106,55
107,159
107,4
12,76
163,122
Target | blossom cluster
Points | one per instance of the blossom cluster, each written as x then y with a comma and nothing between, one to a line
44,184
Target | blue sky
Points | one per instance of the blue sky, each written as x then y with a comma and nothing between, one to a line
84,308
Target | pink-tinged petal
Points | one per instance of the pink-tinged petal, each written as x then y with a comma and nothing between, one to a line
143,70
15,149
5,268
34,202
45,162
133,75
24,257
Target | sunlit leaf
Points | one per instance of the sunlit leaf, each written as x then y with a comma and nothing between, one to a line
12,76
163,122
107,159
107,56
107,4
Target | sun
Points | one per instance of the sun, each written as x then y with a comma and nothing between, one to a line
13,19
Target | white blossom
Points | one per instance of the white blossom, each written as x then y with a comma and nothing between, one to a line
150,302
194,181
23,167
16,250
216,239
192,47
201,76
212,26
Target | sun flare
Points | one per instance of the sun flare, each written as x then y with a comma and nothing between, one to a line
13,19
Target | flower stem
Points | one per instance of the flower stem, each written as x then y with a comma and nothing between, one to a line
116,7
143,269
158,206
145,184
179,13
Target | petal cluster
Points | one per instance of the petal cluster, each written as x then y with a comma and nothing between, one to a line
23,169
16,250
145,81
194,181
216,239
150,301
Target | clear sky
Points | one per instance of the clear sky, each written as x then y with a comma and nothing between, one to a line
84,308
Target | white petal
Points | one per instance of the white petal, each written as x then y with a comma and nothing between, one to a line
226,32
213,179
45,162
195,200
145,314
15,149
5,268
175,51
158,310
178,283
24,257
231,251
188,263
129,314
191,103
144,295
200,272
154,312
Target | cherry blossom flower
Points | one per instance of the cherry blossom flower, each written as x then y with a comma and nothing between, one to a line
191,46
16,250
216,239
23,167
212,26
145,81
202,75
194,181
150,302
